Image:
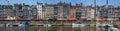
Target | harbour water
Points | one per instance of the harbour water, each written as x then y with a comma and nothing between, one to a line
52,28
64,27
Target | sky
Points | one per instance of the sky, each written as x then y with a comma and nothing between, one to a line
87,2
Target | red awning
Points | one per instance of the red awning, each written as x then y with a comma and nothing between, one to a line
20,19
2,18
84,19
98,19
101,19
71,19
104,19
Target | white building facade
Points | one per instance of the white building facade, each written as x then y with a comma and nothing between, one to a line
40,11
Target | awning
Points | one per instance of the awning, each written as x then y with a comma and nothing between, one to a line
2,18
71,19
101,19
19,18
90,18
98,19
84,19
104,19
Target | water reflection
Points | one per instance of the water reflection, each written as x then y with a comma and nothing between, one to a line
52,28
23,28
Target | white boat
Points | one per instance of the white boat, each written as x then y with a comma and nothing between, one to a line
21,25
103,25
114,29
49,25
78,25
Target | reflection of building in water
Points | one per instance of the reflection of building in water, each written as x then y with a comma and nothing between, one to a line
53,28
24,28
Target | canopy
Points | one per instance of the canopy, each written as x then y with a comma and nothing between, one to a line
84,19
2,18
71,19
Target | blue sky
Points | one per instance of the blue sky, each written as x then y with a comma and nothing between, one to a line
88,2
